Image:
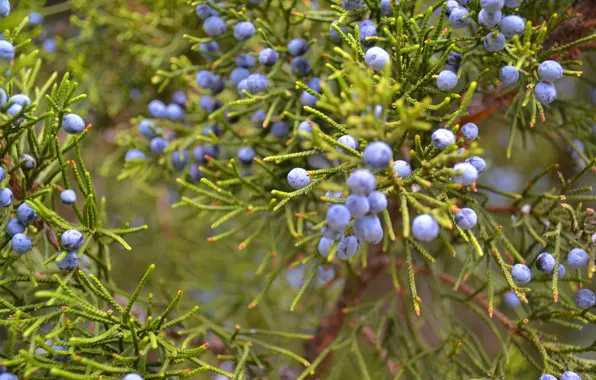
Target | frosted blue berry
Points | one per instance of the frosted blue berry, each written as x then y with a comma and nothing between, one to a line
511,300
280,129
35,18
521,274
243,31
148,129
26,214
157,145
330,233
348,246
369,229
466,174
257,83
402,168
14,109
7,50
492,5
60,357
209,50
377,202
204,79
478,163
442,138
195,173
179,160
570,375
451,6
577,258
334,35
300,67
204,11
547,377
20,99
494,42
157,109
385,7
297,47
214,26
349,141
238,74
69,262
245,60
489,20
466,219
513,3
512,25
550,71
561,273
49,45
72,240
133,376
324,245
545,262
334,195
446,80
15,226
174,112
453,61
457,20
8,376
376,58
585,299
29,161
368,31
361,182
377,155
304,129
350,5
134,154
68,196
210,104
357,205
425,227
218,84
545,92
21,243
258,118
314,84
470,131
4,11
298,178
2,174
246,155
3,97
508,75
338,217
307,99
268,57
179,97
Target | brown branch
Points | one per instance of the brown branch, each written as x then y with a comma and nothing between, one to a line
574,28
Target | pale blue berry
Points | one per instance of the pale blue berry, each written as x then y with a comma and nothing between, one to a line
334,35
244,30
446,80
508,75
402,168
361,182
377,155
570,375
470,131
29,161
442,138
49,45
134,154
179,97
69,262
512,25
348,246
297,47
174,112
195,173
133,376
547,377
20,99
376,58
478,163
385,7
7,50
324,245
451,6
457,20
334,195
26,214
492,5
511,300
300,67
521,274
545,262
550,71
298,178
246,60
148,129
3,97
545,92
338,217
21,243
280,129
205,11
377,202
369,229
494,42
68,196
257,83
330,233
60,357
246,155
585,299
378,111
425,228
561,273
73,124
577,258
8,376
15,226
350,5
349,141
72,240
157,145
466,174
214,26
157,108
466,219
258,118
268,57
489,20
307,99
368,31
212,150
179,160
5,197
357,205
4,10
238,74
209,50
305,129
14,109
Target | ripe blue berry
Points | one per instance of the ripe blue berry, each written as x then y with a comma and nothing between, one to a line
385,7
148,129
280,129
134,154
349,141
570,375
49,45
513,3
334,35
21,243
72,240
350,5
330,233
212,150
377,202
521,274
157,108
545,262
179,160
367,31
402,168
348,246
218,84
268,57
585,299
179,97
361,182
470,131
425,227
214,26
297,47
304,129
204,79
508,75
8,376
210,104
451,6
73,124
4,11
257,83
133,376
3,97
512,25
489,20
494,42
258,118
298,178
457,20
246,155
545,93
446,80
300,67
338,217
511,300
335,195
174,112
357,205
157,145
466,219
376,58
29,162
195,173
7,50
377,155
307,99
60,357
369,229
5,197
246,60
492,5
466,174
238,74
208,50
204,11
14,110
20,99
478,163
69,262
324,245
561,273
68,196
547,377
243,31
550,71
442,138
15,226
26,214
577,258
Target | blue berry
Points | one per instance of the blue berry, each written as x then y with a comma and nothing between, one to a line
133,376
238,74
324,245
204,79
349,141
570,375
174,112
35,18
550,71
513,3
512,25
314,84
218,84
148,129
489,20
377,155
304,129
297,47
307,99
521,274
561,273
20,99
157,109
446,80
268,57
334,35
280,129
376,58
545,92
385,7
377,202
466,219
478,163
210,104
245,60
14,109
72,240
545,262
457,20
361,182
357,205
330,233
2,174
466,174
59,357
350,5
492,5
26,214
214,26
425,227
15,226
300,67
508,75
246,155
338,217
451,6
470,131
179,161
577,258
3,97
134,154
258,118
494,42
4,11
49,45
378,111
69,262
195,173
208,50
511,300
212,129
7,50
204,11
212,150
68,196
335,195
298,178
369,229
179,97
348,246
442,138
368,31
8,376
547,377
157,145
585,299
453,61
257,83
243,31
29,161
21,243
